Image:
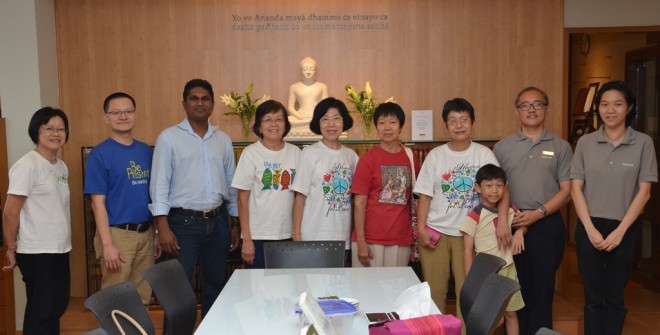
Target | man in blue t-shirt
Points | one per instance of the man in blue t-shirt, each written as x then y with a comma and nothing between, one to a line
117,179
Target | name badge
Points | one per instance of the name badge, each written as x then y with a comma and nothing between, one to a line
548,153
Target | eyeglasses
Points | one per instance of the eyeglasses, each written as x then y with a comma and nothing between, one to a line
52,130
272,121
129,112
537,105
334,120
462,121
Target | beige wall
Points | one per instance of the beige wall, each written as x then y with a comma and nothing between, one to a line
28,81
430,52
611,13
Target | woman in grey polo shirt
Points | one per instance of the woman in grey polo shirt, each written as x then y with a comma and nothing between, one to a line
611,176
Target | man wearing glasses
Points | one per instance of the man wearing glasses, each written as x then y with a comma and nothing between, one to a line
537,164
117,179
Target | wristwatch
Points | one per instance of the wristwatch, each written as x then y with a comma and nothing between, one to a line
543,210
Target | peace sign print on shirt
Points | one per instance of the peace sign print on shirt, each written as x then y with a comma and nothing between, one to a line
457,186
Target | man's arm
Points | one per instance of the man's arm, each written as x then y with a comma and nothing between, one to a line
159,189
554,204
111,255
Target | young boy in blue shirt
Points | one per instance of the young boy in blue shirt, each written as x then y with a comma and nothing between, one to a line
479,234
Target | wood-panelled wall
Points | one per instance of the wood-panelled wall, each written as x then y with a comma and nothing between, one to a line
428,52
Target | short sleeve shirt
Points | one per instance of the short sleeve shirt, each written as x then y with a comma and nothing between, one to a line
325,177
448,177
611,174
534,170
268,176
481,224
385,178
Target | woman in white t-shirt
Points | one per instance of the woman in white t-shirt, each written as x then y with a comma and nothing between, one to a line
38,204
324,175
263,177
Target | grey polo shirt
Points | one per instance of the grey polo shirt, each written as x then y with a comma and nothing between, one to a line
612,174
534,170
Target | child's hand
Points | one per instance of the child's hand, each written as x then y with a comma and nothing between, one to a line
518,243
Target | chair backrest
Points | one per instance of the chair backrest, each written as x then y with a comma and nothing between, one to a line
175,295
482,265
97,331
304,254
546,331
124,297
489,306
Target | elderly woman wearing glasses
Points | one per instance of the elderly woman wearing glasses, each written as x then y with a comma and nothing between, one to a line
38,204
263,178
446,189
322,208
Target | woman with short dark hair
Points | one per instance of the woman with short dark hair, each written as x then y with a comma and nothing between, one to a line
611,176
38,204
324,175
263,178
382,189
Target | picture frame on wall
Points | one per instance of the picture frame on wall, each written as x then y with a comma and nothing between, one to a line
578,129
591,95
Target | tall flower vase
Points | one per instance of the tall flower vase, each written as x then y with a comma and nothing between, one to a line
245,127
368,124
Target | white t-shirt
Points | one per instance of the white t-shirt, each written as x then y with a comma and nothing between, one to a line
325,177
268,176
448,177
45,219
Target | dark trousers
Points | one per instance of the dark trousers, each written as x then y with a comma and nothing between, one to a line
536,267
605,275
47,285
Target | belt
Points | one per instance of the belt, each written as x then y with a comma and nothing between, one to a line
210,214
138,227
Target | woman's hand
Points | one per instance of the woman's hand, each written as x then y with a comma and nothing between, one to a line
247,251
613,240
365,255
11,260
596,238
425,239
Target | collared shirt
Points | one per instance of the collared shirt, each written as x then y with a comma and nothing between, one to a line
534,170
192,172
612,174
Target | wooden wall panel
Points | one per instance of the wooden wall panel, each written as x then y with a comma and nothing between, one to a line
431,51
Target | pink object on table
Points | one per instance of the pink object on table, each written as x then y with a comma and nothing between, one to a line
425,325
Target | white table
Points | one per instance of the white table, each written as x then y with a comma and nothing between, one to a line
262,301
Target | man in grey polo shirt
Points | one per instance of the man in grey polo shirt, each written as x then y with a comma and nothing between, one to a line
537,164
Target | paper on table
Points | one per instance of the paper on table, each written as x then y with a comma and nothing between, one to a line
415,301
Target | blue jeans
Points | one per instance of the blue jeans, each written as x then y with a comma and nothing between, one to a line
205,241
605,275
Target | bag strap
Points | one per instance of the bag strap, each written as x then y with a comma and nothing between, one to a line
127,317
412,164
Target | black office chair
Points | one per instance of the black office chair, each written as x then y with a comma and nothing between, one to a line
483,265
124,297
490,304
546,331
304,254
97,331
175,295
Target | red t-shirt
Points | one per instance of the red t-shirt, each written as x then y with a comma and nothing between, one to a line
385,178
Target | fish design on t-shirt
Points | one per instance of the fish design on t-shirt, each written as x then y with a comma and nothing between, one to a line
276,179
286,180
267,179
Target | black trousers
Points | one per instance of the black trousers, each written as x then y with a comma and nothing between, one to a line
605,275
47,285
536,267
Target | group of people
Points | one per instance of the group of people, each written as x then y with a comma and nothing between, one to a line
188,199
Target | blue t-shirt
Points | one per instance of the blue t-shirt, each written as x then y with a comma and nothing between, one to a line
122,174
